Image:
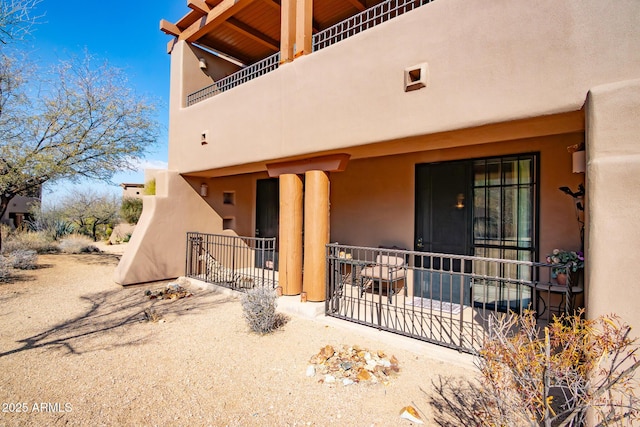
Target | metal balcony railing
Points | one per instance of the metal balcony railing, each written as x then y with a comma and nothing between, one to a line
364,20
258,69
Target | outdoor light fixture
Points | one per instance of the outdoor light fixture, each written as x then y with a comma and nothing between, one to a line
578,157
203,63
578,161
204,190
460,201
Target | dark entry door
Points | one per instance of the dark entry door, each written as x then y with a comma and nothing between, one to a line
443,209
268,210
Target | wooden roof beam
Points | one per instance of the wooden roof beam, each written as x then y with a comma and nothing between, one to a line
252,33
200,6
213,19
169,28
357,4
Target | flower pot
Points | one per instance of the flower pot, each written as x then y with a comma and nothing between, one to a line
561,279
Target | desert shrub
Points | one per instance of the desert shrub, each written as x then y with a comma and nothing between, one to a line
24,259
77,244
553,378
39,241
259,310
150,187
5,268
131,209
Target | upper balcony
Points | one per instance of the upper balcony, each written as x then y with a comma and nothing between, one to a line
248,34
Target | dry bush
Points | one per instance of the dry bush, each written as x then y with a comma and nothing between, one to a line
555,376
5,268
38,241
77,244
259,309
24,259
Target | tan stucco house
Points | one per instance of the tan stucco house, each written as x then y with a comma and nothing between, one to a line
132,190
19,209
445,126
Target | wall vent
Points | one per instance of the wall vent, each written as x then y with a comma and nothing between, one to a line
416,77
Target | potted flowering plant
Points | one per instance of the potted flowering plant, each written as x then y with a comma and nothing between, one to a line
563,260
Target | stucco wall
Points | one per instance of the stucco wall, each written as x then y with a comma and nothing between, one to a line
19,204
242,211
488,62
613,189
157,247
373,200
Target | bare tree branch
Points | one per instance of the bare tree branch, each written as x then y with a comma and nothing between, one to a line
16,19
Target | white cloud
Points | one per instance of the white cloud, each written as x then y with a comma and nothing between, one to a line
143,164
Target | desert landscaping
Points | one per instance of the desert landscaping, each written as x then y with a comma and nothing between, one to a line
77,349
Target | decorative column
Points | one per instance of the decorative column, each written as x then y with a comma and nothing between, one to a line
316,234
290,236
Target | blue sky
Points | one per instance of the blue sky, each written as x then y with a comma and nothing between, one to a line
127,35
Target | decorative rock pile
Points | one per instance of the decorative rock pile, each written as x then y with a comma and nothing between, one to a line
172,291
352,365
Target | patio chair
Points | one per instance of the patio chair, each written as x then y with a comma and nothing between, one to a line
388,273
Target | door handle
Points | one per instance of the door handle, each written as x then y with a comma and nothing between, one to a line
419,243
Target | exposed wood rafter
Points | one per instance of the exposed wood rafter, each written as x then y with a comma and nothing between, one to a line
252,33
169,28
213,19
200,6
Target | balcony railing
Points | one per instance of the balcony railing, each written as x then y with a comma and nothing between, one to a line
440,298
351,26
239,77
364,20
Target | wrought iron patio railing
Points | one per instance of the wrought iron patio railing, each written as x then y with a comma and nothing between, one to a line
235,262
364,20
439,298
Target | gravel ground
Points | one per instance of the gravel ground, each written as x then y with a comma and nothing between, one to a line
75,350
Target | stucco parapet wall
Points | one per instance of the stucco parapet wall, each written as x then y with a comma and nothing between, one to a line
625,96
613,187
157,247
488,63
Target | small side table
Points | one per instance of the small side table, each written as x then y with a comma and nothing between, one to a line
566,295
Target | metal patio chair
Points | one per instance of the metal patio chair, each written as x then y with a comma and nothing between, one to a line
389,273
